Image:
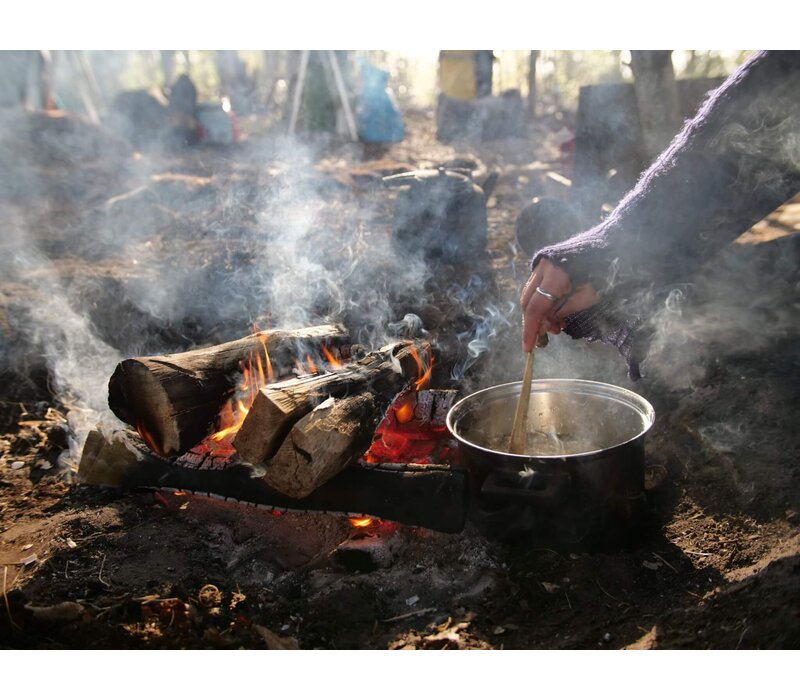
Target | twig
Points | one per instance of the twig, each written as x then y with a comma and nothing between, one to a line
658,556
100,575
698,554
568,601
741,637
423,611
607,593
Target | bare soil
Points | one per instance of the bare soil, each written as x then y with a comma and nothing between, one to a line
718,566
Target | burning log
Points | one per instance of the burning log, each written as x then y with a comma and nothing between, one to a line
173,400
278,407
434,496
322,443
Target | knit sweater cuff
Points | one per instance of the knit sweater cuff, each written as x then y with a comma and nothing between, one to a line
609,325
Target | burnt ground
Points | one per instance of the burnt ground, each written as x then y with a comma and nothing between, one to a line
717,565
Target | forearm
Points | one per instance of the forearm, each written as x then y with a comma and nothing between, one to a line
732,164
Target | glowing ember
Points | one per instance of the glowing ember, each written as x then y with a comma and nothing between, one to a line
404,411
403,438
361,522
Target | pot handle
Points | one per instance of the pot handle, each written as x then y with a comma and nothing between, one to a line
551,491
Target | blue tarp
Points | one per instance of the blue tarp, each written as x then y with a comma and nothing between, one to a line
377,117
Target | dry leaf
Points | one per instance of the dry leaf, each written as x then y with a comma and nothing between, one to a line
648,641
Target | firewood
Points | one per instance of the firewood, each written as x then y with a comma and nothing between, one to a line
434,496
279,406
173,400
322,443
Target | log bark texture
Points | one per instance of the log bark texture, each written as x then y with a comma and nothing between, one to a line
173,400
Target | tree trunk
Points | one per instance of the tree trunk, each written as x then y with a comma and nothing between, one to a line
656,98
534,55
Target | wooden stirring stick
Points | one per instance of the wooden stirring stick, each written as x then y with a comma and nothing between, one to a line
518,444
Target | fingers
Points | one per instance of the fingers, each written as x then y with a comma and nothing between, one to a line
532,318
541,314
536,307
530,287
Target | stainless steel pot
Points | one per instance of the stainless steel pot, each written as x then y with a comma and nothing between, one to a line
585,470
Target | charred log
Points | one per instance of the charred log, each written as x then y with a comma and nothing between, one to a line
433,496
173,400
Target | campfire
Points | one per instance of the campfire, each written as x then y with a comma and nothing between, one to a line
299,420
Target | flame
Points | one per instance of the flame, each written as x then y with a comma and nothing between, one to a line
311,366
237,418
423,373
361,522
148,438
329,357
270,373
255,374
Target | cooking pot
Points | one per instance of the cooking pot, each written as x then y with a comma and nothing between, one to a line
583,478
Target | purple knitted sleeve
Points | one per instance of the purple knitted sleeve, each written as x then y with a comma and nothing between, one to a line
735,162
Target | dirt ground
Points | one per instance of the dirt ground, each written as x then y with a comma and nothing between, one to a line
718,566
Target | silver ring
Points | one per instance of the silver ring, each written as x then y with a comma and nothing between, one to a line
547,295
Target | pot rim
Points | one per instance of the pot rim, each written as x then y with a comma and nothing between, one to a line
561,385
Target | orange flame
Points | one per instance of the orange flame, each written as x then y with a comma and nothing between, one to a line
329,357
270,373
424,373
255,374
148,438
237,418
311,366
361,522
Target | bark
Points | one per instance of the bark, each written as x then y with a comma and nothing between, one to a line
173,400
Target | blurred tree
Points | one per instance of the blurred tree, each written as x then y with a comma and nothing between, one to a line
656,98
534,55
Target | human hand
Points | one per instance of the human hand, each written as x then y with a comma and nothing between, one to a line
543,314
